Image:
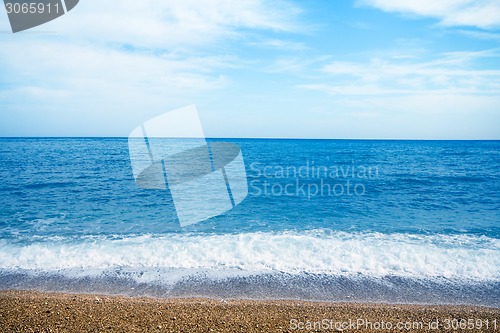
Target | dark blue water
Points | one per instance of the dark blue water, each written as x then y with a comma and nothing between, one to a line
410,221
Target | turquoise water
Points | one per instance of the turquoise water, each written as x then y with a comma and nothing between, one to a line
405,221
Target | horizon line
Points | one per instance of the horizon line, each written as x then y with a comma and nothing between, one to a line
250,138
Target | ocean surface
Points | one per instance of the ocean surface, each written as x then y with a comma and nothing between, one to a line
335,220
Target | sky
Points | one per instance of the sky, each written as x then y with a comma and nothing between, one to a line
361,69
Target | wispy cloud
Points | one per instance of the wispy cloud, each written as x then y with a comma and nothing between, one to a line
280,44
297,65
177,22
475,13
453,72
485,35
129,58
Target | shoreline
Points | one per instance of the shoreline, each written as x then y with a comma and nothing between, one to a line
26,311
230,285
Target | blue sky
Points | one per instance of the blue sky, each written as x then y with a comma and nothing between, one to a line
298,69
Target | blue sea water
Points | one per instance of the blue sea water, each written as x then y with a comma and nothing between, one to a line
336,220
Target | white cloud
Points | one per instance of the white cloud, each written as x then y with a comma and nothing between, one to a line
449,95
454,72
295,64
76,69
173,23
283,45
121,62
82,86
476,13
481,35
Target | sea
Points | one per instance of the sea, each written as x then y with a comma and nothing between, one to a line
324,220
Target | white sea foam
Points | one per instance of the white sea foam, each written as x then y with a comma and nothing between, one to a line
462,257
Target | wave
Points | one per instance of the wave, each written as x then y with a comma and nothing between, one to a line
323,252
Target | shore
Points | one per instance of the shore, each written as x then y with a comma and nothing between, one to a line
30,311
